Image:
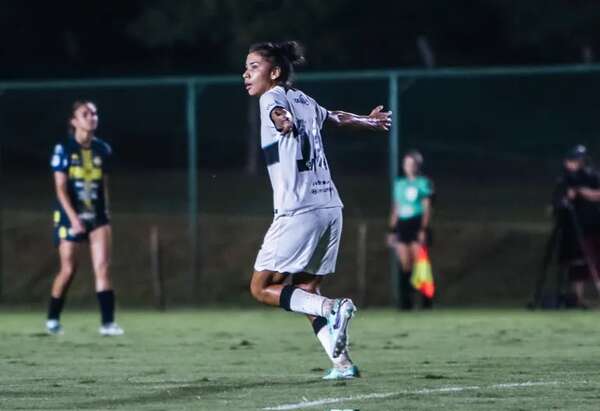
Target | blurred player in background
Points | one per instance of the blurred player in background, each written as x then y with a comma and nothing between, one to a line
301,246
410,221
577,209
80,165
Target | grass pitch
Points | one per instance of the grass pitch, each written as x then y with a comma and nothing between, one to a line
269,359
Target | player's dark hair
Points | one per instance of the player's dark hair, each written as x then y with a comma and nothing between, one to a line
284,55
417,157
76,105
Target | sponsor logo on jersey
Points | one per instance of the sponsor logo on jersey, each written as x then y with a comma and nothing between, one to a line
301,100
411,193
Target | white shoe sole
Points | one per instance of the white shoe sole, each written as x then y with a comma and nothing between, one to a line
111,333
342,338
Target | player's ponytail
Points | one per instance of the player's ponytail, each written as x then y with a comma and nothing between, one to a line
293,51
284,55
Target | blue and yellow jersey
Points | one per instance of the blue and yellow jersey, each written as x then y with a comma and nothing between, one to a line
409,196
85,169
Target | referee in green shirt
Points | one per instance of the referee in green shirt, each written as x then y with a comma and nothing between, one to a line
410,220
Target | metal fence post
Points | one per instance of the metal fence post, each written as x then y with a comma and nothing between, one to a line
192,146
1,229
394,143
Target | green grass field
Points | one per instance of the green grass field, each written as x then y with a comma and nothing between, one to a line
269,359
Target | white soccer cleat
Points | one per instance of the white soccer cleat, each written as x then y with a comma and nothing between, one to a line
53,327
111,330
337,323
347,373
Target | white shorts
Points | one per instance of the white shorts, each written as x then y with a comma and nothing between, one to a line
302,243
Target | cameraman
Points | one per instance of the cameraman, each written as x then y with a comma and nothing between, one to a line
577,210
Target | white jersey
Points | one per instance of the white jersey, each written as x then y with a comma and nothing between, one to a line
296,162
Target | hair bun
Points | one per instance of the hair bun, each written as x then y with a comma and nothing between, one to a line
293,51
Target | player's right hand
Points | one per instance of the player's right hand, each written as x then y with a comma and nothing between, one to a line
77,227
282,120
380,120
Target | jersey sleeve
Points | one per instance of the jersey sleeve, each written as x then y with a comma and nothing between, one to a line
108,158
268,102
59,161
322,114
427,189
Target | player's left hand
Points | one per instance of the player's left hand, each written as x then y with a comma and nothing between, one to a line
380,120
422,237
391,240
585,193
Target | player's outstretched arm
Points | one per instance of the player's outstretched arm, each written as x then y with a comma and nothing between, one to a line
377,120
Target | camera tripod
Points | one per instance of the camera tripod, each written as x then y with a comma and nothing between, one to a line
549,253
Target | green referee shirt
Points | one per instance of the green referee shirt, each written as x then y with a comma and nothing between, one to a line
409,195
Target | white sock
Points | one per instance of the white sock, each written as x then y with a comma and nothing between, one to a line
309,303
343,360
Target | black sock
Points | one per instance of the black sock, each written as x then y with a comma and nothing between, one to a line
318,323
406,291
426,303
286,296
106,299
55,307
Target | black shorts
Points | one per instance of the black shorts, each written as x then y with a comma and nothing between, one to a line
62,227
407,231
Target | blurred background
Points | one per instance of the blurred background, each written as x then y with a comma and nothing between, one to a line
492,92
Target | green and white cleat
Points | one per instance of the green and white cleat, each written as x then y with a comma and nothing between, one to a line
53,327
342,373
337,323
111,330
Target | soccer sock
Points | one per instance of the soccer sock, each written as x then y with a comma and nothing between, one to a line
320,328
406,290
300,301
106,299
55,307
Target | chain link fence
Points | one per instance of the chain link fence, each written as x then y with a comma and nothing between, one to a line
191,200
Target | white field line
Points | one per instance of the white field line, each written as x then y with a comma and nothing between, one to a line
423,391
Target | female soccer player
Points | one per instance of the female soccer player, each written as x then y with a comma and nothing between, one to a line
301,246
80,165
410,219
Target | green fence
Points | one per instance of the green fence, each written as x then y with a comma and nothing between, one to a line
189,177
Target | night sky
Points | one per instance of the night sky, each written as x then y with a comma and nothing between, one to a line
127,38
